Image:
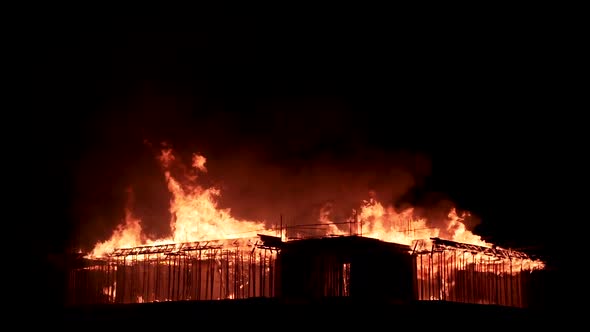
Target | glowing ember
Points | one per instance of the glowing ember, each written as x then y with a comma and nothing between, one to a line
199,162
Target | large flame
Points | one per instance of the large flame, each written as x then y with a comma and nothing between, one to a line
194,210
196,216
386,223
126,235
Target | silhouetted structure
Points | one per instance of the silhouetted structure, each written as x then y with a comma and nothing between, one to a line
352,266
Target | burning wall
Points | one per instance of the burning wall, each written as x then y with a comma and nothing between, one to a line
208,270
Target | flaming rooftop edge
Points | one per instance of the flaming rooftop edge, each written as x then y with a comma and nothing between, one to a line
271,242
441,244
172,248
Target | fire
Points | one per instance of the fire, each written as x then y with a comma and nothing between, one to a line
126,235
386,224
196,216
449,260
324,218
199,162
194,210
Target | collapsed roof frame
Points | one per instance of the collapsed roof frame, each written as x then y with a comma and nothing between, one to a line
439,244
271,242
178,248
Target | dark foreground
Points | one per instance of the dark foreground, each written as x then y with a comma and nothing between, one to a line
270,314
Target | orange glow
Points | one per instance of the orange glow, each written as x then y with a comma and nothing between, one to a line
125,236
386,224
194,211
196,216
199,162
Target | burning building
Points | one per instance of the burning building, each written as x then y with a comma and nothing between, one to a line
304,271
378,255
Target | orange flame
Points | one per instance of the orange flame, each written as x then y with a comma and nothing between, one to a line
385,223
196,214
196,217
126,235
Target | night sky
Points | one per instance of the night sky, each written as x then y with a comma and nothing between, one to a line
423,110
